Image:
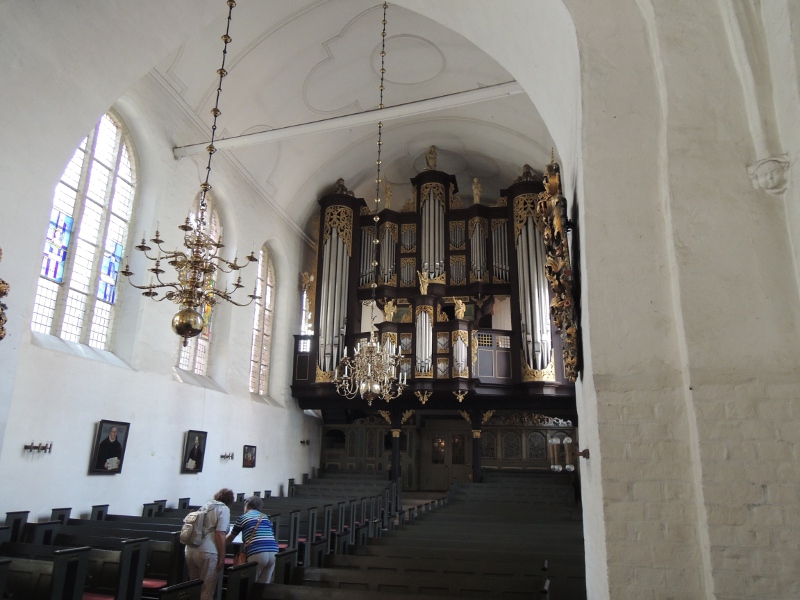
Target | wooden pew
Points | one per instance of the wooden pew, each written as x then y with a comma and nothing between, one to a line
62,578
188,590
110,575
420,583
165,554
239,581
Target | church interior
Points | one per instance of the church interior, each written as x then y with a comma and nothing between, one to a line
561,231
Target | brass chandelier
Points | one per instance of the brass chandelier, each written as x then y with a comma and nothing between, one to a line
195,286
373,371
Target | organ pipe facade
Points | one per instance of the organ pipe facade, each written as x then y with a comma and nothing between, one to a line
437,268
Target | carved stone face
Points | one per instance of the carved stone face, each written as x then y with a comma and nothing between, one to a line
769,175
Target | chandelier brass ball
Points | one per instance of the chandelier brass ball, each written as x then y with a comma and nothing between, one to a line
187,323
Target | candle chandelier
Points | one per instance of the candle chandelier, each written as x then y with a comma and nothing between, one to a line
198,264
373,371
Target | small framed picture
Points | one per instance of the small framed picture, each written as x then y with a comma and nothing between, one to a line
194,450
249,457
108,450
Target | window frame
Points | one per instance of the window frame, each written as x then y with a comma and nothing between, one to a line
263,323
51,306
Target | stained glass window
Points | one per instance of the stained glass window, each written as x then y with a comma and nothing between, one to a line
262,324
194,356
86,238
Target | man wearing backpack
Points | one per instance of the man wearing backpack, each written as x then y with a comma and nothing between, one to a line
206,560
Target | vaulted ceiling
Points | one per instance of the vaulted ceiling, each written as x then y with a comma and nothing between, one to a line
292,63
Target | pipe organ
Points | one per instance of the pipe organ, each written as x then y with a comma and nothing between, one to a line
443,266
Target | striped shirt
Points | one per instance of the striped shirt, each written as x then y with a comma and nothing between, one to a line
264,538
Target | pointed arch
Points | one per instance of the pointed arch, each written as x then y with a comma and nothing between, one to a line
86,238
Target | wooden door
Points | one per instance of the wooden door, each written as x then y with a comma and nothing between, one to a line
446,457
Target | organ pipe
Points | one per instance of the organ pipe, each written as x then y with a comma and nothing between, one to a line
534,309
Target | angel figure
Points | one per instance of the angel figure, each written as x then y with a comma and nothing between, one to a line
461,308
423,283
389,309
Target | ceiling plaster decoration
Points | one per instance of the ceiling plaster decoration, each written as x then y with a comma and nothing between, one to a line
420,60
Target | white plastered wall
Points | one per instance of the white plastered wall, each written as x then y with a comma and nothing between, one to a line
64,73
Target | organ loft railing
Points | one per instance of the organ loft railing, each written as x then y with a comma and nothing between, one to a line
473,296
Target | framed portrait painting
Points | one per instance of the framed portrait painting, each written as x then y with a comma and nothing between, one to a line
249,457
194,450
108,451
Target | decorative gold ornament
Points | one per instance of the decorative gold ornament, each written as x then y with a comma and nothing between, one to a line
455,200
546,374
423,396
552,222
459,394
466,416
461,308
385,414
486,416
501,201
323,376
431,190
476,434
389,309
406,416
423,282
440,316
340,218
524,207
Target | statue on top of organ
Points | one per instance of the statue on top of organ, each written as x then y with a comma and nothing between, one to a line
474,297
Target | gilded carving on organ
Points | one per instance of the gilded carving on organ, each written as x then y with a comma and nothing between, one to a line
339,218
461,308
389,309
551,213
524,207
432,190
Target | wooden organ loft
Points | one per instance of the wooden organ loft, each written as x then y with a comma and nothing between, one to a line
477,298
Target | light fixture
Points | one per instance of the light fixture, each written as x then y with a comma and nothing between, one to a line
195,287
46,447
569,454
373,371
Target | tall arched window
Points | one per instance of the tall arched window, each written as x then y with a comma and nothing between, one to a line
86,238
262,324
194,356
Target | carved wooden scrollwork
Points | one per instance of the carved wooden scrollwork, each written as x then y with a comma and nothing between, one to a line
340,218
551,220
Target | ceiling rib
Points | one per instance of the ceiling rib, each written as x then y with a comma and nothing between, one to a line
367,117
